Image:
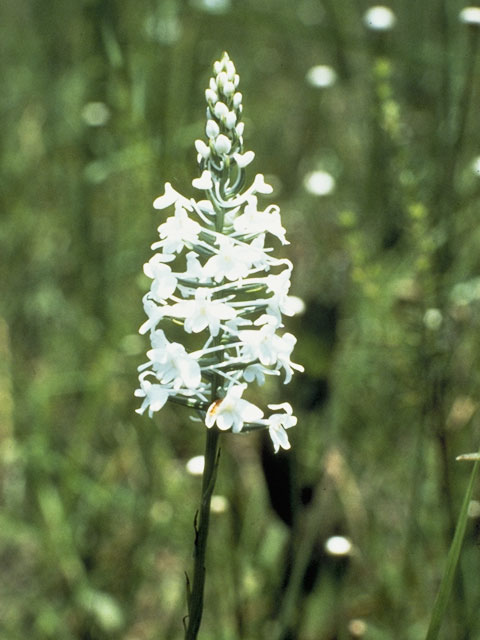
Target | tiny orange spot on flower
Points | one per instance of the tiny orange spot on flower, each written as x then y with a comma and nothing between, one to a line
213,408
212,411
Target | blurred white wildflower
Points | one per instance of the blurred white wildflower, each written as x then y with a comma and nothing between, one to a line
379,18
96,114
357,627
196,465
214,274
321,76
470,15
319,183
338,546
474,509
212,6
476,166
219,504
433,319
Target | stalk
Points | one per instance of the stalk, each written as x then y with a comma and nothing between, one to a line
195,598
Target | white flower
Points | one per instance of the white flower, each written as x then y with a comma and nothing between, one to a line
177,232
476,166
243,159
260,186
380,18
257,254
260,345
294,306
279,284
232,261
194,271
319,183
232,411
281,303
154,313
169,197
201,313
225,284
155,396
202,149
278,422
171,363
470,15
222,144
164,282
252,221
204,182
321,76
269,348
284,347
255,373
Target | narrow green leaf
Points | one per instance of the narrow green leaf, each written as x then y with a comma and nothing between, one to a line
441,601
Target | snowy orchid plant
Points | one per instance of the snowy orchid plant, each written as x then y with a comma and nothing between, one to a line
214,275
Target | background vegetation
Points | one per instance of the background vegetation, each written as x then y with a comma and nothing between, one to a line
100,104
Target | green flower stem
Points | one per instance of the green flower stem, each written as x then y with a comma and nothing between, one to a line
441,602
195,600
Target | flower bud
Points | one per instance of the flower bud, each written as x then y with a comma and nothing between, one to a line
222,144
229,89
237,99
230,119
211,96
230,69
220,110
222,79
212,129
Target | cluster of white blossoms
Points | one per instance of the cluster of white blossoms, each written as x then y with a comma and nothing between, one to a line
214,275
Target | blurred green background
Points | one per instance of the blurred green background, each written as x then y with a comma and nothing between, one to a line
376,166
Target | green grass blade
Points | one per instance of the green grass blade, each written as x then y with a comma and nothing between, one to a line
441,601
